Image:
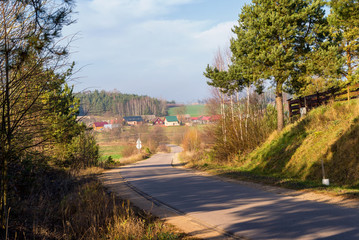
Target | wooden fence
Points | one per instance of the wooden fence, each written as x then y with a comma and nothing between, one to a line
302,105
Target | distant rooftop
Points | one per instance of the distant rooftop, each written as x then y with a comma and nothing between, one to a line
171,119
133,119
100,124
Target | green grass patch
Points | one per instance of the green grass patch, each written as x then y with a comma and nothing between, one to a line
111,150
192,110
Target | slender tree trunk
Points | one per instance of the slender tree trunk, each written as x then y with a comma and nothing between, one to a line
233,120
280,111
350,72
240,117
6,133
224,131
247,115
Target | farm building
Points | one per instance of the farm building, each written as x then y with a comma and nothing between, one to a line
171,121
133,120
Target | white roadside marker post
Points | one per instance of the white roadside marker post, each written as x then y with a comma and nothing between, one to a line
325,181
139,145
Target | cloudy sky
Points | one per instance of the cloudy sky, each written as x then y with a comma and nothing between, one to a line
158,48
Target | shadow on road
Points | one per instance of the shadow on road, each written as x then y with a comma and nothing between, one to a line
239,209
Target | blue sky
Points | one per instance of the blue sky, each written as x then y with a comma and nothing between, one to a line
158,48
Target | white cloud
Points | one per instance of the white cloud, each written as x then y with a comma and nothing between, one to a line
107,13
123,41
216,36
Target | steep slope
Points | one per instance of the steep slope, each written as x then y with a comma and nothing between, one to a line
329,133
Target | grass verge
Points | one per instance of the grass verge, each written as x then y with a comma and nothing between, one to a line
67,204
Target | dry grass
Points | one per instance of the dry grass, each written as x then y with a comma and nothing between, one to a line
128,151
74,205
90,213
191,140
163,149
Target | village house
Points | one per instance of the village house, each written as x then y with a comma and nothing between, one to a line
113,123
171,121
133,120
99,126
158,121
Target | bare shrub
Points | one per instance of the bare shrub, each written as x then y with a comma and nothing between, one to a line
244,125
128,151
163,148
191,140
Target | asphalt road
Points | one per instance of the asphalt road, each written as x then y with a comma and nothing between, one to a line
237,209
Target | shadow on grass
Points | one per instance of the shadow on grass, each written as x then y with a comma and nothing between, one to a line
275,156
341,161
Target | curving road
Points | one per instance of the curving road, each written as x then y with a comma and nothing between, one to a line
237,209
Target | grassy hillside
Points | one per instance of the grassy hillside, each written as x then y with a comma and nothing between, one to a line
329,132
193,110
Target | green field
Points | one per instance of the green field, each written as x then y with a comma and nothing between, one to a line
193,110
111,150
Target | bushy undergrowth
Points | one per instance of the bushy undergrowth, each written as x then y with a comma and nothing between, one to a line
242,128
81,152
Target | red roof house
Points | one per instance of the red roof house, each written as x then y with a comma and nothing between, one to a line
98,126
158,121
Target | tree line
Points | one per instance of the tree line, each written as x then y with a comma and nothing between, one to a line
116,103
294,45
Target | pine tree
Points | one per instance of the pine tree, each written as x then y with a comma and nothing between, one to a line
278,36
344,21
